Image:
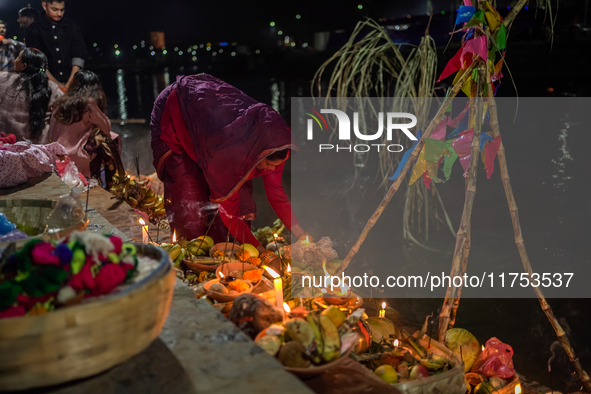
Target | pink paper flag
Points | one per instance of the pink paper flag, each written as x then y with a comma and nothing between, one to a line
462,146
440,130
456,121
476,45
468,3
427,180
452,66
491,150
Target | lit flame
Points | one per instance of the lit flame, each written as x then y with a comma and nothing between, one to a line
275,235
483,348
518,388
307,239
338,290
396,342
142,222
272,272
288,268
286,307
222,275
384,305
174,236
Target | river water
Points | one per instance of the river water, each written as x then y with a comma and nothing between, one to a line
560,230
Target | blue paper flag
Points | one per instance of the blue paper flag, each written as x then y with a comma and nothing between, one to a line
465,13
483,138
405,158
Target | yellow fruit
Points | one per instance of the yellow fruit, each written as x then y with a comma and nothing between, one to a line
336,315
207,242
254,252
387,373
174,252
195,250
331,339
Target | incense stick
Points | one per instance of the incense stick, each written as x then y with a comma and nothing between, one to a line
208,228
136,160
227,240
87,194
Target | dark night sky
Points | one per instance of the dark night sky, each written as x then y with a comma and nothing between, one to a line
212,20
129,21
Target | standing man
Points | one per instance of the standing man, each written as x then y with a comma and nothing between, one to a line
9,49
61,41
26,16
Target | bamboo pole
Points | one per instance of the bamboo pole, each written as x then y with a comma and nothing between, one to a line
451,293
413,156
560,333
466,251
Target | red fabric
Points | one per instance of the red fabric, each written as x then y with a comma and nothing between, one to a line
8,139
276,197
174,130
117,243
109,277
491,150
42,254
83,279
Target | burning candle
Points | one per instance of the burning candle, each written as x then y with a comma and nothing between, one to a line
278,286
518,388
396,344
382,313
144,231
174,237
482,348
287,310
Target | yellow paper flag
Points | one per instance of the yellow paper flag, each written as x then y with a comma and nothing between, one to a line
420,167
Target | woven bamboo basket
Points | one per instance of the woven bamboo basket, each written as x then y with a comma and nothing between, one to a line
449,382
30,216
89,338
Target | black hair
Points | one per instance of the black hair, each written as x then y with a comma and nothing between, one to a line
71,107
2,23
279,155
28,12
53,1
33,80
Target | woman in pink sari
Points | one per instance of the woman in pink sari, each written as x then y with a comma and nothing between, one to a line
79,120
209,141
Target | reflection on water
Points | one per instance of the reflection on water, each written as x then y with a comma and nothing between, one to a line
121,95
560,176
275,96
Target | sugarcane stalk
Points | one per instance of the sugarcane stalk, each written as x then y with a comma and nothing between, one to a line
413,156
451,293
560,333
466,252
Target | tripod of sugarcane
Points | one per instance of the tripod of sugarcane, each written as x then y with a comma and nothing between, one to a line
463,240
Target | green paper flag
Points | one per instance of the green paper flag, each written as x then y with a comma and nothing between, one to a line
434,150
501,37
478,18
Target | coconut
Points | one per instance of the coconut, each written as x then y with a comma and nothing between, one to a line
470,348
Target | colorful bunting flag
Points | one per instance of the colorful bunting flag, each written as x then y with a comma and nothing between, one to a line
465,13
440,130
462,146
501,38
452,66
477,19
405,158
420,167
491,150
492,17
435,150
483,138
477,45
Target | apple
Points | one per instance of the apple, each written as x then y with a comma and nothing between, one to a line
418,371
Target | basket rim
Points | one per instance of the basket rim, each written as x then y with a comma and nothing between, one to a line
163,268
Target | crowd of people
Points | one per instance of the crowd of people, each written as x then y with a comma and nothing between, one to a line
46,95
209,139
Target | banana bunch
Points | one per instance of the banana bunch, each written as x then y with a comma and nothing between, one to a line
434,362
139,196
184,249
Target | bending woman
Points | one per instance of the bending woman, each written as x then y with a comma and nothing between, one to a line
79,124
26,97
209,140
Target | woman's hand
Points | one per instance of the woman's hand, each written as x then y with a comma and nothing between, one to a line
297,231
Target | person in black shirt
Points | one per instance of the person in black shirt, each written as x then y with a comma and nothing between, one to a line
61,41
